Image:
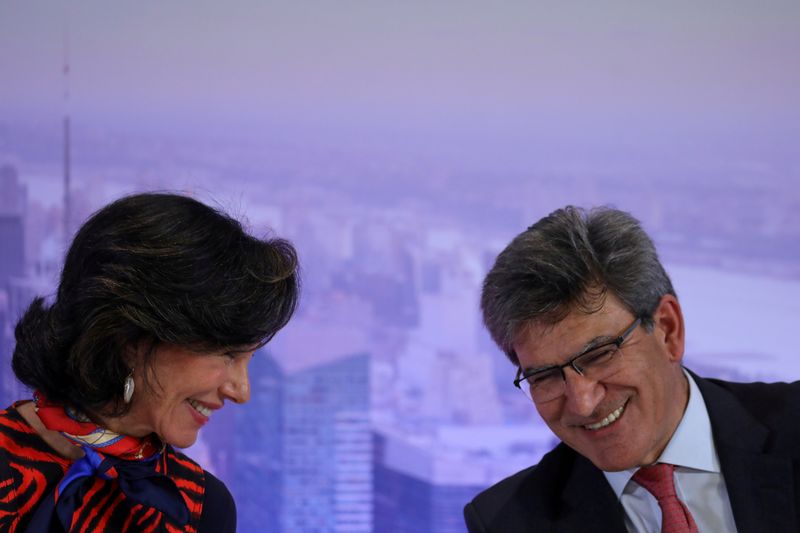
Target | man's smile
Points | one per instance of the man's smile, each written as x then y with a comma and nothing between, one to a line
609,419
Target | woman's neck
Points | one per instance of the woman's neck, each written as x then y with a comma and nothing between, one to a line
58,442
128,424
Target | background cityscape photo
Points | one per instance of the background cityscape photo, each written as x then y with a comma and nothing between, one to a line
401,146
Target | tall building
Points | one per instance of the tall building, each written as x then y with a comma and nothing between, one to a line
303,444
257,441
7,383
408,503
12,229
13,195
18,296
422,482
12,255
12,271
327,451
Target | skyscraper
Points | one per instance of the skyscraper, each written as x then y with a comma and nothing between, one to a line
304,446
257,441
12,260
12,232
424,479
12,270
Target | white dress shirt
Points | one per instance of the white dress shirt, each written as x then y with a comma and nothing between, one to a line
698,479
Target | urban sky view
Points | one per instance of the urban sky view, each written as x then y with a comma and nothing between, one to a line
401,147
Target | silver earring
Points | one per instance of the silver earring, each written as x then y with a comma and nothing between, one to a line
127,391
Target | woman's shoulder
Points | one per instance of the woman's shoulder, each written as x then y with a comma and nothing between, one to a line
29,469
219,510
19,438
12,422
181,465
203,492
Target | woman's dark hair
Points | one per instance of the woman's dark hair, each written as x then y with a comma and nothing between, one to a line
569,260
149,269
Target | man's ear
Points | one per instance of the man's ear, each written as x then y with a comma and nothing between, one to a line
668,319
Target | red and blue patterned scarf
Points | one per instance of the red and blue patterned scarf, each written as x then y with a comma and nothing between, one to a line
129,461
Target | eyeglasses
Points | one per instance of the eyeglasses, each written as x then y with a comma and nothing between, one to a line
549,383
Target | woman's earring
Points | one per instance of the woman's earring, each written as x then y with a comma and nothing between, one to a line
127,391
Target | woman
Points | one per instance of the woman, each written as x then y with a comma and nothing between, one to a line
160,306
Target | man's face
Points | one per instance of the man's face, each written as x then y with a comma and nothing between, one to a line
645,386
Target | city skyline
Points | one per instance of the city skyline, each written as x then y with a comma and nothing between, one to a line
400,148
402,290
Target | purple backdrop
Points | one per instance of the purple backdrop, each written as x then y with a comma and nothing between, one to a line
401,147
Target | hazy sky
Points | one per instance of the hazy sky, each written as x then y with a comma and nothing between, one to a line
620,69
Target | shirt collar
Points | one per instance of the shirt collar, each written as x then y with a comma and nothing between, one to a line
691,446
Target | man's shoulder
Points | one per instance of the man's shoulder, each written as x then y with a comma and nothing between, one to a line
535,490
766,413
757,389
770,403
531,478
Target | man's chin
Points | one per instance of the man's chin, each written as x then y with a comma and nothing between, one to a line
611,462
613,467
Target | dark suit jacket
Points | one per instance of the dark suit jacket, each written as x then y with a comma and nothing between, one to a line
756,428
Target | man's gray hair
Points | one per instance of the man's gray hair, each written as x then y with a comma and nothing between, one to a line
570,260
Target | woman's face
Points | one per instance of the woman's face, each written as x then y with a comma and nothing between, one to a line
183,390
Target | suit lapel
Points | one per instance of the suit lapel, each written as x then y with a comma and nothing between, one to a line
760,486
589,502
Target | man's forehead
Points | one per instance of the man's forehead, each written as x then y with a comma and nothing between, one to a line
536,333
547,341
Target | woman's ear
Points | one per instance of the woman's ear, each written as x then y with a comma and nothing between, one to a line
668,319
133,355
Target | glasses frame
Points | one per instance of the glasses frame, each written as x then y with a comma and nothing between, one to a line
572,362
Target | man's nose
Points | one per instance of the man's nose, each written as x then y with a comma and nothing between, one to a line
582,394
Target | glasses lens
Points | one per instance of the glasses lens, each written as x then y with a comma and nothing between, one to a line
597,360
543,386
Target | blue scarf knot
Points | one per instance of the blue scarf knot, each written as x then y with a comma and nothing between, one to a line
138,480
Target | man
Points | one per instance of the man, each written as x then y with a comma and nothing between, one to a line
582,306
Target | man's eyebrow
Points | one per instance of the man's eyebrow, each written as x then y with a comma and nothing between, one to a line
596,342
529,370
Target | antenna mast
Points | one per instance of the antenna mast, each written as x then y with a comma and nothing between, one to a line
67,162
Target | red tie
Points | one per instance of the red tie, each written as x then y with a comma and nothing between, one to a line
675,516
